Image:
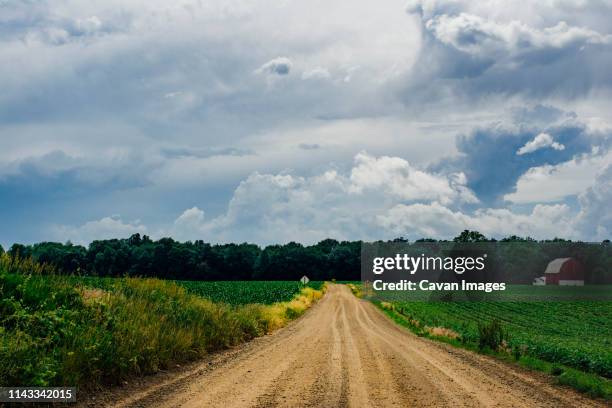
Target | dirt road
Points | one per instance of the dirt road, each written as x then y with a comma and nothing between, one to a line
345,352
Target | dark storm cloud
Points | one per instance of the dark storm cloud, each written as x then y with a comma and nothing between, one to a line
57,173
470,56
488,156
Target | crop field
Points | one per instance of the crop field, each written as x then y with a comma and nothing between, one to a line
577,334
245,292
230,292
512,293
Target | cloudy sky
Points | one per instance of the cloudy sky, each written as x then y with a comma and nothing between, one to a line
260,121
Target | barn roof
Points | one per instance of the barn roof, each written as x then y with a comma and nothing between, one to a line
555,265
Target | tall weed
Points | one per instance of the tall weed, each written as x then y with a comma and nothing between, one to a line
56,332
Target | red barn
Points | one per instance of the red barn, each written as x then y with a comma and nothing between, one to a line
564,271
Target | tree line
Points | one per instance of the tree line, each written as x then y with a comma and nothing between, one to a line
329,259
169,259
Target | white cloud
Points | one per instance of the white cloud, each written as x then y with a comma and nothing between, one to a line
277,208
276,66
282,207
105,228
553,183
191,217
316,73
269,208
397,178
437,221
472,49
532,12
595,218
480,36
189,225
89,25
541,141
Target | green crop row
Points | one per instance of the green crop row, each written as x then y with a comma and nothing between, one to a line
230,292
577,333
244,292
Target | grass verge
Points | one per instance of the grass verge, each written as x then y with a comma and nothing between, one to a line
54,332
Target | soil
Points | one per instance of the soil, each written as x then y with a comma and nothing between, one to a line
344,352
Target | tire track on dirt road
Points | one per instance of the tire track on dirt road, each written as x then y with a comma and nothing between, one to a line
345,353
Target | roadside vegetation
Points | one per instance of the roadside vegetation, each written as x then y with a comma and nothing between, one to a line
60,330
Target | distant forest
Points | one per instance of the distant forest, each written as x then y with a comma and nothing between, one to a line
329,259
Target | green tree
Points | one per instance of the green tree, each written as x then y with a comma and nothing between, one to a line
19,251
470,236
